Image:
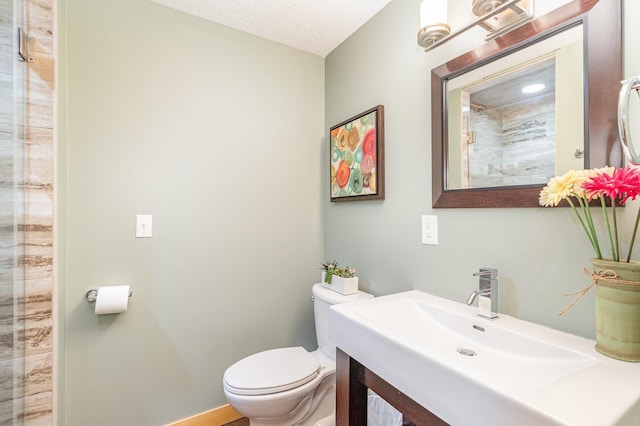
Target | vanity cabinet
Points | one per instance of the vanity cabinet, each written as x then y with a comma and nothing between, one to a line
352,381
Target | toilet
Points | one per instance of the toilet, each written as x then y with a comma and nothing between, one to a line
290,386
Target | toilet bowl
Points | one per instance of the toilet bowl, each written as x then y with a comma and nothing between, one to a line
290,386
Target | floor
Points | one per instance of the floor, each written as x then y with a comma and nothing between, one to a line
240,422
245,422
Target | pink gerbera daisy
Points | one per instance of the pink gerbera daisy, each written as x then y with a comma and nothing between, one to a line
623,184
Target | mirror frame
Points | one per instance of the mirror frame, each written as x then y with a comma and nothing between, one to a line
602,42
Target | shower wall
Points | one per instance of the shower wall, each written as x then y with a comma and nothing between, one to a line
11,219
38,259
26,215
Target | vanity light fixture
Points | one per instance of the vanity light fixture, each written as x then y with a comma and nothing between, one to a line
496,17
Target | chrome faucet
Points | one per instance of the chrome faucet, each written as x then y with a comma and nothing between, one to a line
488,292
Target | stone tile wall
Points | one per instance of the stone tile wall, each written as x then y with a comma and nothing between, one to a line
39,249
514,145
26,218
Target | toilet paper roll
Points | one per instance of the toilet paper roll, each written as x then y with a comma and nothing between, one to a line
112,299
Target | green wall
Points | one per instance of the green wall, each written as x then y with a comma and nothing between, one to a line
540,253
216,133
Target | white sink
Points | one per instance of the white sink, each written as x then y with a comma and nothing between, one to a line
470,370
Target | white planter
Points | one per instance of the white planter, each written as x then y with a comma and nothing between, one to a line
344,286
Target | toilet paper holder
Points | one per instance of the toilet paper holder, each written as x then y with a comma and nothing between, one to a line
92,295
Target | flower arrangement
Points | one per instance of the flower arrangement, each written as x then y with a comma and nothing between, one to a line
331,268
609,185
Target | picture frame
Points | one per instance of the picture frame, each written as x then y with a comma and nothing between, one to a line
356,157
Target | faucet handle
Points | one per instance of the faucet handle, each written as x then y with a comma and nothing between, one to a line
490,273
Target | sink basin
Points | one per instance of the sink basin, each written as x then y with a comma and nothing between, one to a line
470,370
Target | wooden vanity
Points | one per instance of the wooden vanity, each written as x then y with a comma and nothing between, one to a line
352,381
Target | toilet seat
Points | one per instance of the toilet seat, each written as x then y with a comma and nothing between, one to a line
272,371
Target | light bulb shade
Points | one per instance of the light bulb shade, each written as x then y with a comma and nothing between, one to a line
433,22
433,13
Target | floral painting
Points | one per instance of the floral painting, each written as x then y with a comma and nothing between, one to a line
357,163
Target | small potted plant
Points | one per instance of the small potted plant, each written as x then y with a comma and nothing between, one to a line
342,280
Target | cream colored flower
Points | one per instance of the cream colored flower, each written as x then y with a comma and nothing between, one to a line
608,170
558,188
581,177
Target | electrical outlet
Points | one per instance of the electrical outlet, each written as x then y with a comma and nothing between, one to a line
430,229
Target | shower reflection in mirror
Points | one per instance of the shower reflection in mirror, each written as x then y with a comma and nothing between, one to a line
518,120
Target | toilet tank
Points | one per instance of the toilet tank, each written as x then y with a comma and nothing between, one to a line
323,298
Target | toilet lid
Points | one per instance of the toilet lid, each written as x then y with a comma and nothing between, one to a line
271,371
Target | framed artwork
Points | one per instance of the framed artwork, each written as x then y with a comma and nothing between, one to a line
356,152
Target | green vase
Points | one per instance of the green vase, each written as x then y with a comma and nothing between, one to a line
618,309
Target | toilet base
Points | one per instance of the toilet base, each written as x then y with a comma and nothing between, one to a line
321,404
325,414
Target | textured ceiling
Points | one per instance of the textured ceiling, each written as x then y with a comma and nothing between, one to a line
315,26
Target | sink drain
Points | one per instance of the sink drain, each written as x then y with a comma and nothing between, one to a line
466,352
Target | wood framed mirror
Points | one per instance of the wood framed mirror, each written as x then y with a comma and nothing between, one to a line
467,173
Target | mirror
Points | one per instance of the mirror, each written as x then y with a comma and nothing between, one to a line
495,146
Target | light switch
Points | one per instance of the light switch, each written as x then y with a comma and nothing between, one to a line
144,226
